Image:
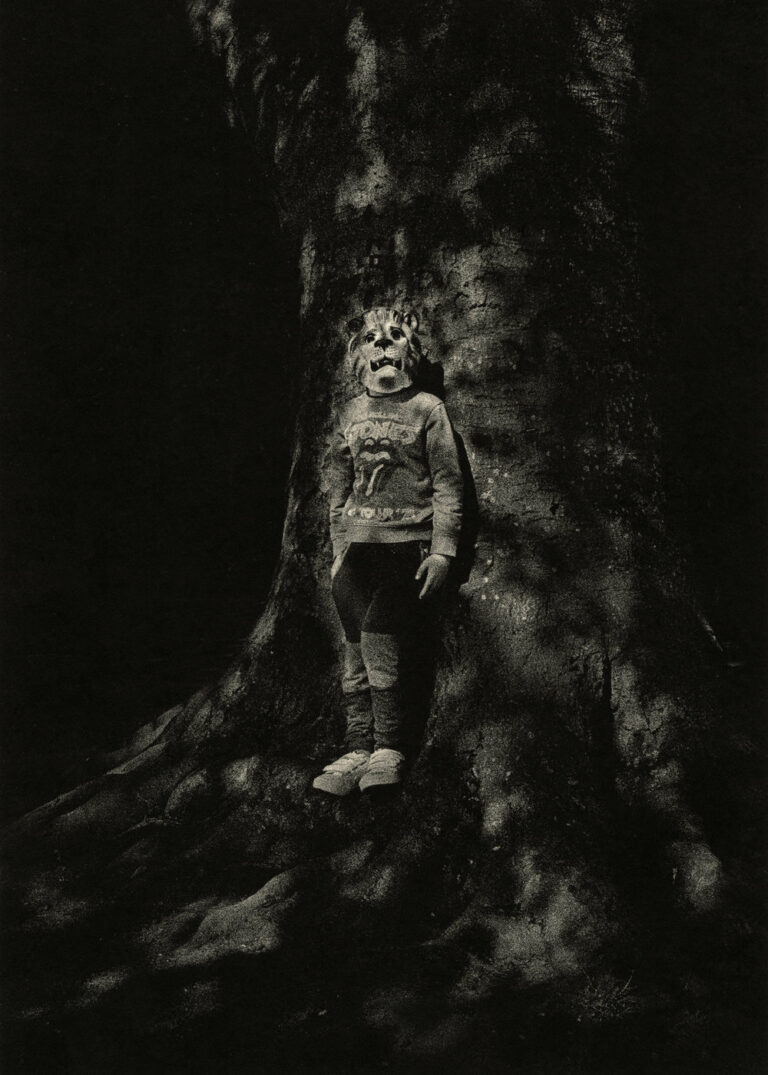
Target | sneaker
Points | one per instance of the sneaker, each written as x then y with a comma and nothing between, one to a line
343,775
385,767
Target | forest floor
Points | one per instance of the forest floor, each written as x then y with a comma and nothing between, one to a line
82,998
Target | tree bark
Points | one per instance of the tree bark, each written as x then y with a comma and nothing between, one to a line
471,160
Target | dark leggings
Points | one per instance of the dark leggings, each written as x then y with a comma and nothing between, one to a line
375,589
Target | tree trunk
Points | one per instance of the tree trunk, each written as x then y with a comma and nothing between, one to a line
471,160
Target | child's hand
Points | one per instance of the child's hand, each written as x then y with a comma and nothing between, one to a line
435,567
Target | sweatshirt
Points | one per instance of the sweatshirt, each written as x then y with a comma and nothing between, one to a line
395,472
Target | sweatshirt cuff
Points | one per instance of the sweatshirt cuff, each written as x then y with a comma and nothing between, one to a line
443,545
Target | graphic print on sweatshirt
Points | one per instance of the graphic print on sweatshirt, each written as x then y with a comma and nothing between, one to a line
380,447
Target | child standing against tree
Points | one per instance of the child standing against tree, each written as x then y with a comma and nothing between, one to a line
395,515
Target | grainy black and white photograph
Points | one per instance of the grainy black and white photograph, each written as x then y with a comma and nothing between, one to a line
384,502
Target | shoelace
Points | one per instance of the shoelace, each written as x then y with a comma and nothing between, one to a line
345,763
385,758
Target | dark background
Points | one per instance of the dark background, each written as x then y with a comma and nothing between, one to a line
145,436
148,318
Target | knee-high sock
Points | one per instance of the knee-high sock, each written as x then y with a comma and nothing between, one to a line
357,699
381,654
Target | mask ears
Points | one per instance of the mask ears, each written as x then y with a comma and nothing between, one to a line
354,326
411,319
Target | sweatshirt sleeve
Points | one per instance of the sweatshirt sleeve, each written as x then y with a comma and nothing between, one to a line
340,486
447,482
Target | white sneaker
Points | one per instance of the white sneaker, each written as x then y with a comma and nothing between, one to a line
385,767
343,775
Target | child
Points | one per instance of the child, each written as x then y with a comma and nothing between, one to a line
395,514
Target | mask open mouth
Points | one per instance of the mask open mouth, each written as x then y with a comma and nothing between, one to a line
377,363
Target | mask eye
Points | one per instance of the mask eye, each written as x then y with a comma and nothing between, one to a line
396,334
370,337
